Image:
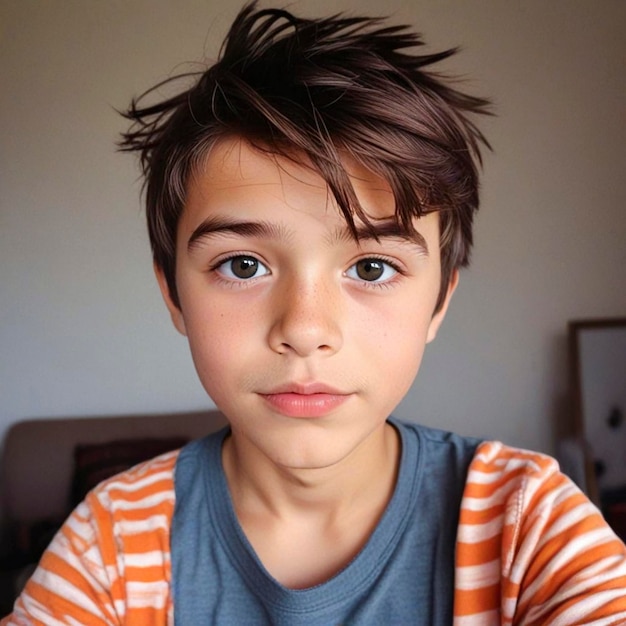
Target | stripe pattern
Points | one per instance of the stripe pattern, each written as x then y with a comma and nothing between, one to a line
531,550
110,562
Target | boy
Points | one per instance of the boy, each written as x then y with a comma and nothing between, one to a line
310,201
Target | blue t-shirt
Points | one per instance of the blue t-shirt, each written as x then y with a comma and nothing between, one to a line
403,575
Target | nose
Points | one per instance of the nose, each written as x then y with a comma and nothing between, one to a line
306,319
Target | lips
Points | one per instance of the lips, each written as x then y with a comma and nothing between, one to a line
305,400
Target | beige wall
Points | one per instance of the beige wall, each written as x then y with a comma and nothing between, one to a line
82,327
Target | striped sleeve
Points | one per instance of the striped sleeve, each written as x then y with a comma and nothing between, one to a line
532,549
110,562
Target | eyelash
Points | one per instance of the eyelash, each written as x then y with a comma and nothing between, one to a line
236,282
384,284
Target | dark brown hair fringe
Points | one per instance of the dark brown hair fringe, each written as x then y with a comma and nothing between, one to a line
319,88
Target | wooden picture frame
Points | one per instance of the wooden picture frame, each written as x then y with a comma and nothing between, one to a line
597,349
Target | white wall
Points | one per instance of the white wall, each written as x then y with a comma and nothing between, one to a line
82,327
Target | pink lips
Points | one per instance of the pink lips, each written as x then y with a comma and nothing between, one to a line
313,400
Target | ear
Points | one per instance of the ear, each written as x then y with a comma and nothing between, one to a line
437,319
175,313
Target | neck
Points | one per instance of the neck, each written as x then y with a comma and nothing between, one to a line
305,525
366,475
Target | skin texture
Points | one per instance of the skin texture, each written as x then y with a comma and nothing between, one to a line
305,357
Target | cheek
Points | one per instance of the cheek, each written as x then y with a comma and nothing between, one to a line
217,338
394,342
401,322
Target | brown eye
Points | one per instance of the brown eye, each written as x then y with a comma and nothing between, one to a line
242,267
372,270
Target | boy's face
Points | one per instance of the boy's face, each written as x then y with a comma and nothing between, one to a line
305,338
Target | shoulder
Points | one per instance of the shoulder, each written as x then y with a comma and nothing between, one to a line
142,486
506,487
113,550
126,519
495,457
497,470
519,485
530,543
130,512
136,506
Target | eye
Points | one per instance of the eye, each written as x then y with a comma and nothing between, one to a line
372,270
242,267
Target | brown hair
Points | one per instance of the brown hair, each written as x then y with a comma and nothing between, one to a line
319,87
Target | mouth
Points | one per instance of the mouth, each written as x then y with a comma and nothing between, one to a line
305,401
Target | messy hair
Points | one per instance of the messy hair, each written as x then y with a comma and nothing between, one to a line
319,88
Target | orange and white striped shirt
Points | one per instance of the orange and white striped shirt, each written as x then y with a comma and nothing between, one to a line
531,549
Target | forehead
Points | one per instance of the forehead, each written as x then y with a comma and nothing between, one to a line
236,170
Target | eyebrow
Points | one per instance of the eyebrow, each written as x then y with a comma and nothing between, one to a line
389,229
217,225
